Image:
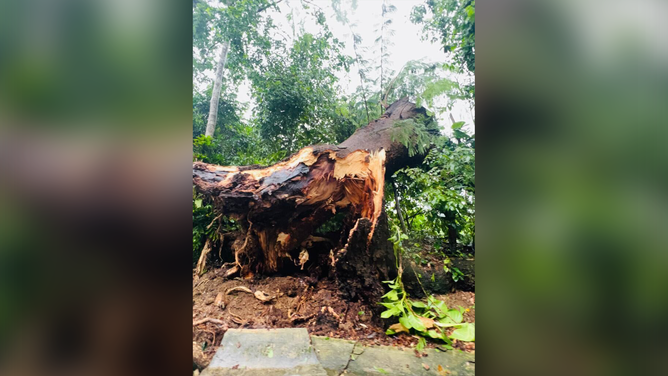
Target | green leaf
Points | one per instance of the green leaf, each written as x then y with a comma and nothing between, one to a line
418,304
420,345
434,334
440,308
381,370
390,312
392,295
459,134
411,321
465,333
457,125
455,315
198,203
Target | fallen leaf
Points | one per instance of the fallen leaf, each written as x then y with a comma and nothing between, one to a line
219,300
263,296
235,366
398,328
442,371
428,323
425,366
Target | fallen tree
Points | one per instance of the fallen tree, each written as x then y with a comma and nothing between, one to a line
281,207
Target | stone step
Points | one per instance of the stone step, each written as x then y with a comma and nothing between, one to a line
337,355
291,352
250,352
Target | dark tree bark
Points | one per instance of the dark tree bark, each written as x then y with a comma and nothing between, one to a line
280,207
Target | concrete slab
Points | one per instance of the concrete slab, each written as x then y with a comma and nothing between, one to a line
333,353
384,360
250,352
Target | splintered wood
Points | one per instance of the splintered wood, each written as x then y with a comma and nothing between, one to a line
314,184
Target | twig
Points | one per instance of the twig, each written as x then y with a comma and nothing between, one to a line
419,282
241,321
208,319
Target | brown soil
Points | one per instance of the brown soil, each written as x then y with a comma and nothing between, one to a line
297,302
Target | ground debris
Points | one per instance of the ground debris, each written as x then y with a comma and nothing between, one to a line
263,296
238,288
319,308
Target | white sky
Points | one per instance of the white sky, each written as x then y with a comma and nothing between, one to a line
366,18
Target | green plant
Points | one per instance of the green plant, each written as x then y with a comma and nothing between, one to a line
457,274
206,226
416,134
438,197
430,320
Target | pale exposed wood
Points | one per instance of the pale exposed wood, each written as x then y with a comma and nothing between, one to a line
208,319
201,262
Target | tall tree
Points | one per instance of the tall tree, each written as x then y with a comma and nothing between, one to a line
452,22
226,24
215,94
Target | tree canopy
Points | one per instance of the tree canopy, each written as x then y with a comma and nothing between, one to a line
300,73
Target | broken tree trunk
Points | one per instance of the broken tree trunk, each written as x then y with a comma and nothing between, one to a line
280,207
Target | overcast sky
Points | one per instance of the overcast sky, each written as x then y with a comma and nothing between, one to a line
366,19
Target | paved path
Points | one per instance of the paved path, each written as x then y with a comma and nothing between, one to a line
292,352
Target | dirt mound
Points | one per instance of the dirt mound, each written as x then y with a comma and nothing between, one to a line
288,302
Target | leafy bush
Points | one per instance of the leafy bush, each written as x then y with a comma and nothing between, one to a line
428,320
438,197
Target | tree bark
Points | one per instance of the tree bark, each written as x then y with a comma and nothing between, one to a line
217,87
280,207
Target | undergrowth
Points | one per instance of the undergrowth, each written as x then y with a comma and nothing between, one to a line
427,320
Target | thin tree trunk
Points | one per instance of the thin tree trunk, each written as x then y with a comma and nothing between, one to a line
359,70
217,87
382,53
396,201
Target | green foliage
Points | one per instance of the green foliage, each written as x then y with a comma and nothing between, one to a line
416,134
335,223
453,22
456,274
438,197
296,95
427,320
204,226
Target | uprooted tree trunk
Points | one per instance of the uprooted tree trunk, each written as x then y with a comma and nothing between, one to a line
280,207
